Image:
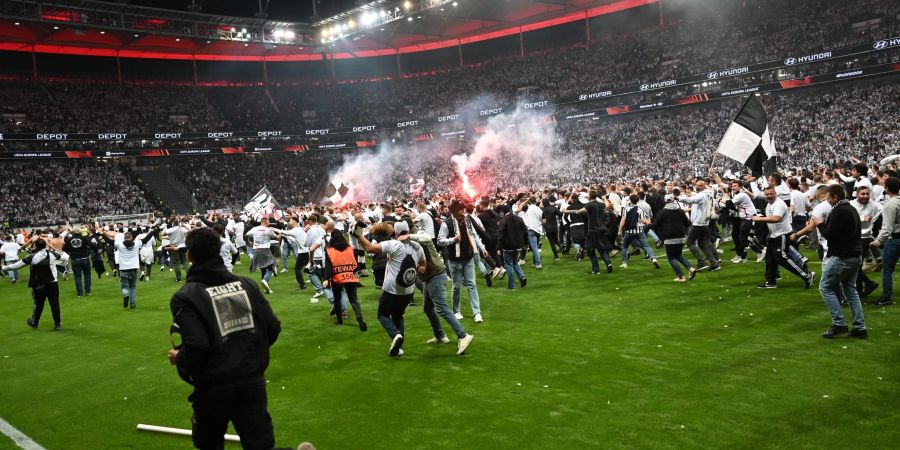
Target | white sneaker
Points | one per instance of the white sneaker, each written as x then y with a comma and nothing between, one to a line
720,251
761,257
442,340
237,263
396,348
458,316
283,270
318,294
478,318
266,285
623,266
464,344
736,259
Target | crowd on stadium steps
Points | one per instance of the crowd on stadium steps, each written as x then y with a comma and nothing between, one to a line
35,193
727,36
230,180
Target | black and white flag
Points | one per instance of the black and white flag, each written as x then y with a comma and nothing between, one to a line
336,190
262,205
748,140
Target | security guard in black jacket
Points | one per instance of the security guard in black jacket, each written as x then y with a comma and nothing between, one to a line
226,327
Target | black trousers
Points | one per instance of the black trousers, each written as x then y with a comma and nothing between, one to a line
740,234
350,289
44,294
553,239
299,266
776,255
243,405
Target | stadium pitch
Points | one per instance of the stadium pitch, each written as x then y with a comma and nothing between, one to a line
630,359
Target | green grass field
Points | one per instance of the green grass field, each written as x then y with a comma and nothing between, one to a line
630,359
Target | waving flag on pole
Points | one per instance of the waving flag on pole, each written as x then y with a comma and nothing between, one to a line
748,140
336,190
262,205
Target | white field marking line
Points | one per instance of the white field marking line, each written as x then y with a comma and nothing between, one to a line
18,437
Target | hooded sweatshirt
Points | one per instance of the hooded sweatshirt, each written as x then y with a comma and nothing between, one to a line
671,224
226,326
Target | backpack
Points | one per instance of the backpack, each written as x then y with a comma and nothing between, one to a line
407,274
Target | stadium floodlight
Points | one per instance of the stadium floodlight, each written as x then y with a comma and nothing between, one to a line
383,13
407,5
244,30
290,35
351,24
455,4
409,19
278,34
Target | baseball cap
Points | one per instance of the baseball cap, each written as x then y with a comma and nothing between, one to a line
670,198
401,228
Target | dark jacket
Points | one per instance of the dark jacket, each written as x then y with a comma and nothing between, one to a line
491,222
843,230
513,233
226,326
670,223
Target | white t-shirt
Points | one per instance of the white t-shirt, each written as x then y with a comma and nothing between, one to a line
226,251
799,201
744,204
262,237
872,209
128,257
10,251
396,252
779,208
316,234
238,230
425,223
821,211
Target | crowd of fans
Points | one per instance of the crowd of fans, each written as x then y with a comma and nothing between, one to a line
700,39
35,193
816,128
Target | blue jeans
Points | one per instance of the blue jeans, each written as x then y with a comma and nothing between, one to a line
513,269
888,264
82,267
12,274
463,272
329,294
436,303
675,256
286,249
533,239
840,274
128,281
638,240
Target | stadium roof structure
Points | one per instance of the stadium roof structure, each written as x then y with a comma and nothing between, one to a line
381,28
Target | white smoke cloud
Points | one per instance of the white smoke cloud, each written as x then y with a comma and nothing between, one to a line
517,148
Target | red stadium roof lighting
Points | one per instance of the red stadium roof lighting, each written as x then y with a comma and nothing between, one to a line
468,23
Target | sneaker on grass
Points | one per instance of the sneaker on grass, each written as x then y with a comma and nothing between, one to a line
464,344
396,345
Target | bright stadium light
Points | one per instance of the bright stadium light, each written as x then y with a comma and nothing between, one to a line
290,35
351,24
278,34
407,5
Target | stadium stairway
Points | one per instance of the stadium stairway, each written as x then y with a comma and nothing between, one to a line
173,193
